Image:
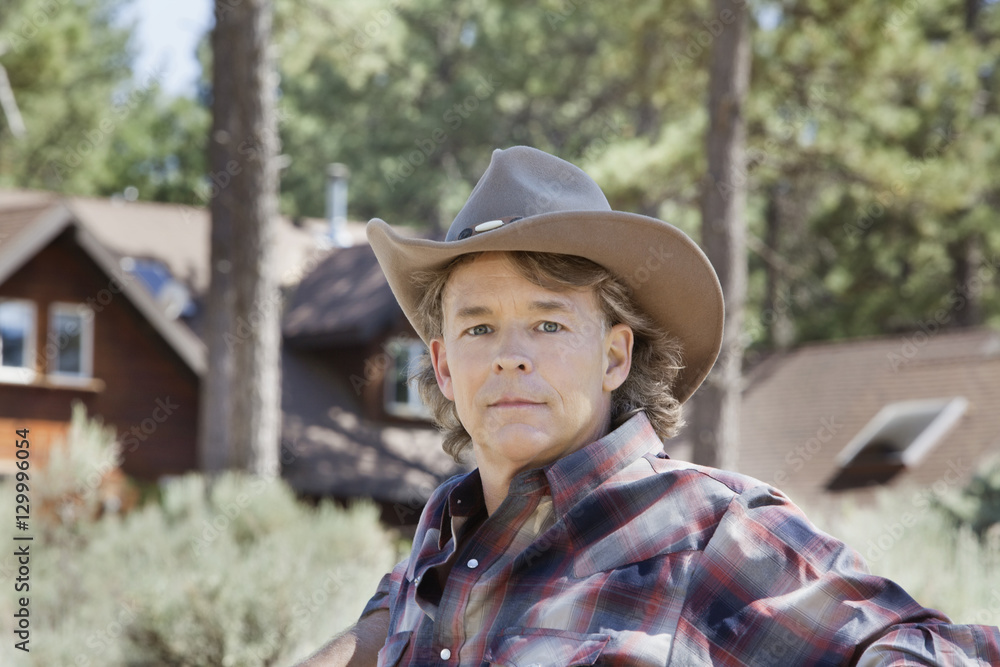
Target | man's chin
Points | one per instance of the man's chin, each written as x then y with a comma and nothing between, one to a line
522,445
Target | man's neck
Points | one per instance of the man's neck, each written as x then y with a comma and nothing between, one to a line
496,484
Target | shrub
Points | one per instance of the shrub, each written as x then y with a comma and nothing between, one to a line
234,573
67,487
977,505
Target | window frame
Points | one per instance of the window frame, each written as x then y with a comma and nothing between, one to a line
86,374
23,374
414,408
950,410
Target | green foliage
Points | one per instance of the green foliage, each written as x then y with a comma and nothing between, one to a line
236,573
66,61
872,129
413,95
873,133
977,505
67,486
93,126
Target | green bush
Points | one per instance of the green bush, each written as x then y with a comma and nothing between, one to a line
238,574
978,504
68,485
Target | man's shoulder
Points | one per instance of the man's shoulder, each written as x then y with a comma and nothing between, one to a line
654,507
697,483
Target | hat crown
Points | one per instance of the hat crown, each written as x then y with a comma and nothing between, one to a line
522,182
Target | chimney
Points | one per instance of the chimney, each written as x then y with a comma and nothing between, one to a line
336,204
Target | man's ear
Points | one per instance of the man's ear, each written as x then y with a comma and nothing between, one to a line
439,359
618,353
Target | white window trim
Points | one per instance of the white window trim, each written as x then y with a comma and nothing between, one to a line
24,374
86,373
414,407
951,410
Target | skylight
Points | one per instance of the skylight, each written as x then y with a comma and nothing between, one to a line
171,294
900,436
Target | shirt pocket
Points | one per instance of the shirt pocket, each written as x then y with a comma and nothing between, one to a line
393,650
538,647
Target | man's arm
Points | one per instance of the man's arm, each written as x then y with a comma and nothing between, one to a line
770,588
358,646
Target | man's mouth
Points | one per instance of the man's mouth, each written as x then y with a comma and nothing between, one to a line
515,402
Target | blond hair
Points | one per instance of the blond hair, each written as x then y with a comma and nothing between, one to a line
656,355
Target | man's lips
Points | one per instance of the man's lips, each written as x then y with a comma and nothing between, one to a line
515,403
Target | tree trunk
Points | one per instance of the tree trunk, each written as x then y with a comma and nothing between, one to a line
777,315
966,259
716,419
241,395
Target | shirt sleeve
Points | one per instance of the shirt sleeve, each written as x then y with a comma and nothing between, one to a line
773,589
387,587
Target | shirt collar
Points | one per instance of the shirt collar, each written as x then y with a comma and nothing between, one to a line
568,479
464,501
573,477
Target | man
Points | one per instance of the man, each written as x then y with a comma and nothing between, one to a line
577,541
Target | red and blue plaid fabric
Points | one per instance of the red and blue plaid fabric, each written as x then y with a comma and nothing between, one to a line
648,561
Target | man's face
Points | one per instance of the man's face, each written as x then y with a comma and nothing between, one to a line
530,370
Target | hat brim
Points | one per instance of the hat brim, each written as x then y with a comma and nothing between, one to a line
671,278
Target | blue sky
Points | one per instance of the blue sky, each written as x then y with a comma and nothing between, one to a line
168,33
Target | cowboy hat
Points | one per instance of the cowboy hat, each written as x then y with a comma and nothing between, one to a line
530,200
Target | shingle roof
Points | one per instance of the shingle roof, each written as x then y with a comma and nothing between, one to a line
19,208
830,391
345,300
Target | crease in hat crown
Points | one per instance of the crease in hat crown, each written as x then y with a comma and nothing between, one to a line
528,200
522,182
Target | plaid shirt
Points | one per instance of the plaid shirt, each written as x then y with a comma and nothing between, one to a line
617,555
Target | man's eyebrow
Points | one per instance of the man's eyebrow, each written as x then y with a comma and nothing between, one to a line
472,311
545,306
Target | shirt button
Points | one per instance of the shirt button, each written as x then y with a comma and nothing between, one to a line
416,580
445,654
473,564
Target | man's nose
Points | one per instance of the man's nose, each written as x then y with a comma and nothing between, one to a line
512,354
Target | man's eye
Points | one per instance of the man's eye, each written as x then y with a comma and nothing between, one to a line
479,330
551,327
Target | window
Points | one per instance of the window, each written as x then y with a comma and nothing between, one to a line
70,344
401,396
900,436
171,294
17,340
